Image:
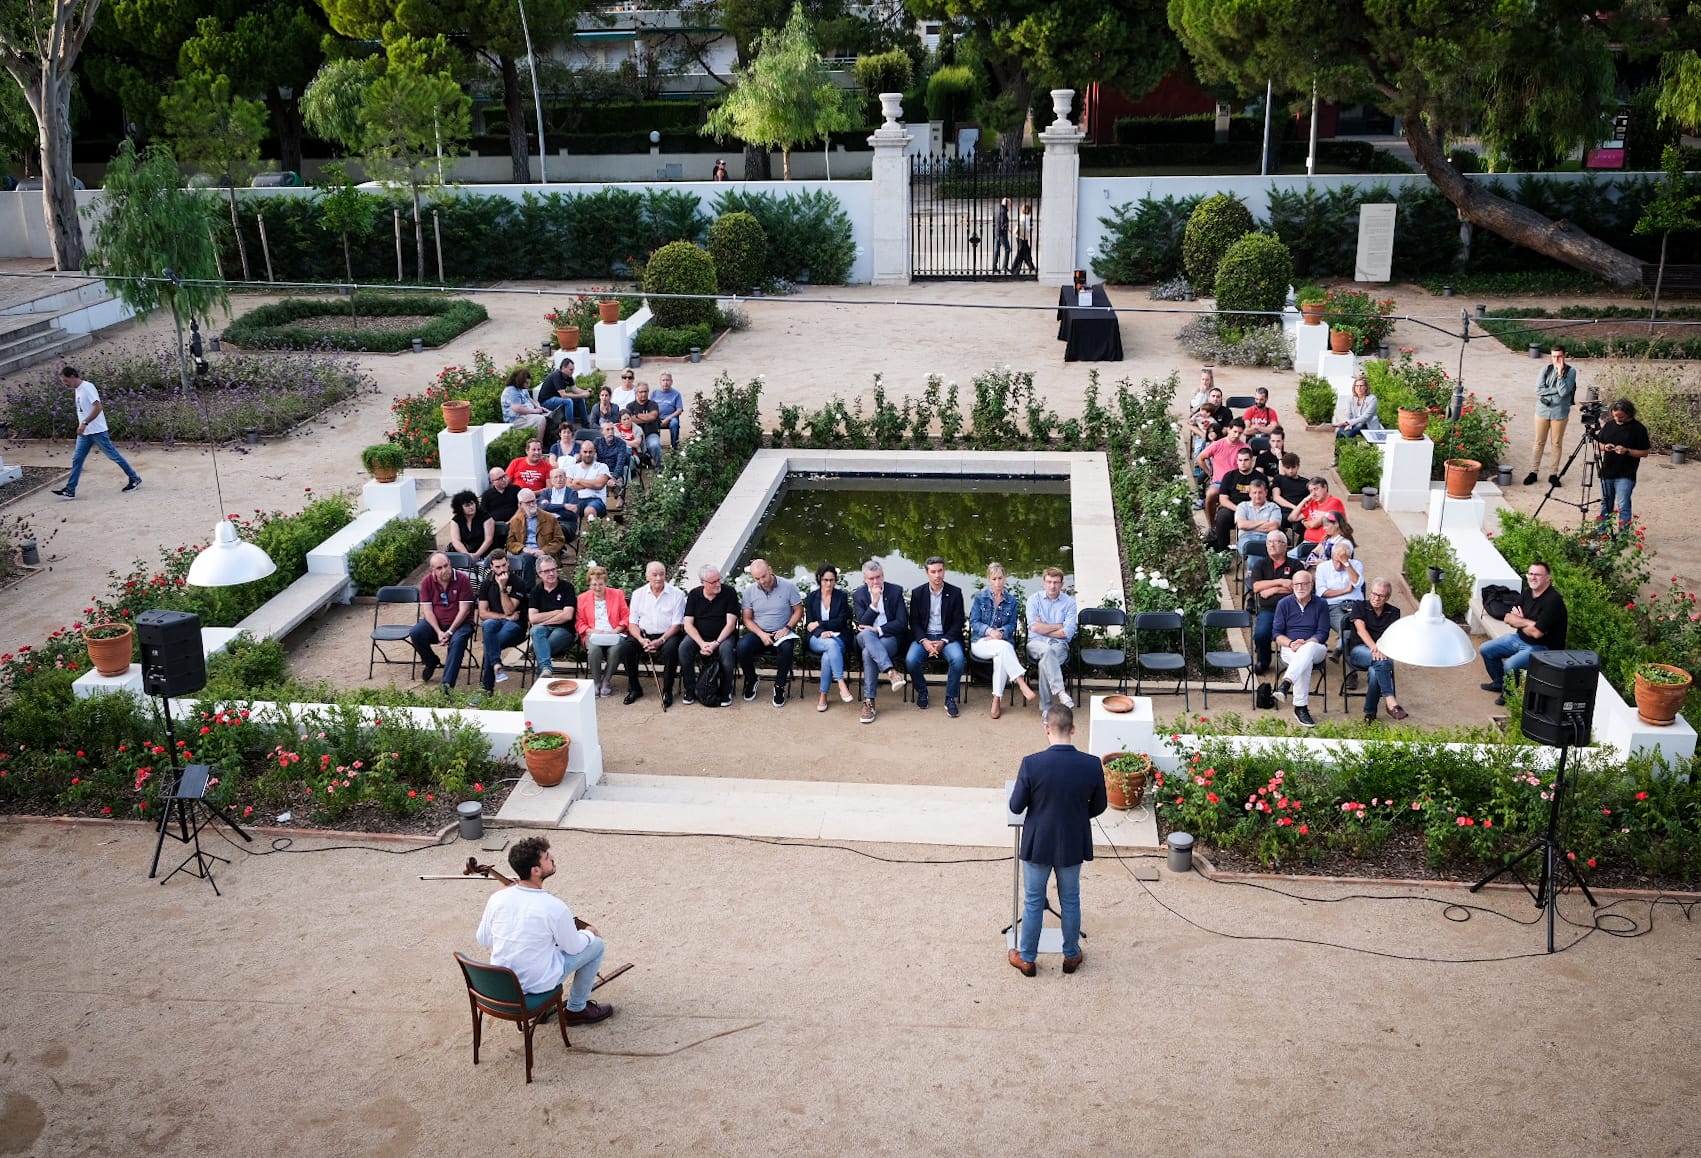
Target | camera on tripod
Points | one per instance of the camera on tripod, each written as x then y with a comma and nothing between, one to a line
1590,413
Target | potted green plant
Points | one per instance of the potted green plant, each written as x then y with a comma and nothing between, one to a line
1660,691
1310,298
544,755
566,329
1359,315
109,647
384,461
1125,777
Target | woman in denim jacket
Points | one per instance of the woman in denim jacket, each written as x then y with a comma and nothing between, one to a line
993,618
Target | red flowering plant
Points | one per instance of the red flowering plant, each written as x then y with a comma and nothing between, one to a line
419,417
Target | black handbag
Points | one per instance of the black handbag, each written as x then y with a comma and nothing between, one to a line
1498,600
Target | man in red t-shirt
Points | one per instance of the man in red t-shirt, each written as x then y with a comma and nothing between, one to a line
531,472
1311,513
1260,418
1218,458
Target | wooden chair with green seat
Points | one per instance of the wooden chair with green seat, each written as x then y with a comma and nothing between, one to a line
494,990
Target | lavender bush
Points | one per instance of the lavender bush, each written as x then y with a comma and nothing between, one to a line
144,401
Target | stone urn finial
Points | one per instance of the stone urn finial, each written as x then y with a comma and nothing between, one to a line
892,107
1061,101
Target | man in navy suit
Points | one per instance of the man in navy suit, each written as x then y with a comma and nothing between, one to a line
881,626
1061,789
936,615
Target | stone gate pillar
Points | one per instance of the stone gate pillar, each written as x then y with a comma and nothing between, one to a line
890,253
1060,192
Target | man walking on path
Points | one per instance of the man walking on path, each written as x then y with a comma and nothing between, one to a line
1061,789
91,431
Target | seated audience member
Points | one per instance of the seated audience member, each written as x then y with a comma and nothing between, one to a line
565,448
446,617
643,413
472,532
654,628
1232,490
1269,460
937,616
881,622
589,479
1540,621
558,498
1218,458
1361,411
553,606
772,608
1302,640
711,629
1369,620
530,470
612,452
1051,625
629,434
557,392
1270,580
1260,418
1289,488
602,618
1336,529
994,616
671,403
533,535
1256,518
605,409
827,619
501,619
518,409
1207,379
1340,584
1309,514
623,394
501,500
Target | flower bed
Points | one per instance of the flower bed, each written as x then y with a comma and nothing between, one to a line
1623,333
143,399
1479,433
419,417
327,323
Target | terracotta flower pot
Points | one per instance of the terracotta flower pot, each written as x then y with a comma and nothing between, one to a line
1313,312
1113,782
1340,342
1659,704
382,473
548,765
567,337
110,656
1413,423
609,310
456,412
1462,475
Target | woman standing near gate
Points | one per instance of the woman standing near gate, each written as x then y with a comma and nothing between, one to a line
1024,240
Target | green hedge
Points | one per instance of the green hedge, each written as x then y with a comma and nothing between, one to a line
672,341
400,548
1518,334
289,324
1457,584
809,233
681,267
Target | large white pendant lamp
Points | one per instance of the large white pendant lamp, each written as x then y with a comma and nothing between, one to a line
1428,639
229,561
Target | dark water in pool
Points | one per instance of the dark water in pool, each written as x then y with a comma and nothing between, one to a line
1023,524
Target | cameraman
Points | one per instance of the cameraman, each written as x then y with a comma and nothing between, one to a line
1623,442
1555,391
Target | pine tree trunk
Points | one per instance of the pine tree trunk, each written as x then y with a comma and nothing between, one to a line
1659,278
418,232
236,228
512,100
758,165
58,193
286,122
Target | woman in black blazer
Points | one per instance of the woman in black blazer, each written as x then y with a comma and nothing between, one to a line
826,616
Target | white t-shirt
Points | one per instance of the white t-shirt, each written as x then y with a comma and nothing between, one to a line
527,930
87,396
624,396
593,472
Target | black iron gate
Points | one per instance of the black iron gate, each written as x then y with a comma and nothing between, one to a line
954,217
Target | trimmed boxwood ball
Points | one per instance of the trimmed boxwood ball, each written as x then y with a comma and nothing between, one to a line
1254,275
739,246
1215,224
681,268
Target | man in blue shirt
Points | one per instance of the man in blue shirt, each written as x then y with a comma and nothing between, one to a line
671,403
1302,639
612,451
1051,625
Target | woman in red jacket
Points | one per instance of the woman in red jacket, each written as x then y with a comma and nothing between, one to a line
601,619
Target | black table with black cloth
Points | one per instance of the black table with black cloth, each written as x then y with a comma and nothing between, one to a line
1089,333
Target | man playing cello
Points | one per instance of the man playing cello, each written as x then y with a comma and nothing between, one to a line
535,934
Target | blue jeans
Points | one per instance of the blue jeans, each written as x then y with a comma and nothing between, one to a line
1380,680
1615,494
671,425
916,661
104,441
1264,636
832,653
877,652
1034,878
581,967
549,642
653,448
424,635
1508,653
498,634
572,412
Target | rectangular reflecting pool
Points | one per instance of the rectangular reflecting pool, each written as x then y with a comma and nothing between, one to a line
1022,523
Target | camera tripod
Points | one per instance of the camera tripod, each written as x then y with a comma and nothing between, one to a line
1591,468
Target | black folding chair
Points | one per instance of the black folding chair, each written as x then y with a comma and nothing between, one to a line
1227,660
1162,662
383,633
1110,660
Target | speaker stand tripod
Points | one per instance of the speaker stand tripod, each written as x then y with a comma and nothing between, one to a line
186,806
1546,892
1591,467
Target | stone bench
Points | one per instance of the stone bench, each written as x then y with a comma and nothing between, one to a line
296,604
1476,551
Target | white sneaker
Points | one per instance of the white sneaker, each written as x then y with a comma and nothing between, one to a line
501,674
1063,698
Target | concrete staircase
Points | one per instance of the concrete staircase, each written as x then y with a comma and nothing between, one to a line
27,339
41,320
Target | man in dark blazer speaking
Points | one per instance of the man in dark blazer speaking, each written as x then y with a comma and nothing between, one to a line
1061,789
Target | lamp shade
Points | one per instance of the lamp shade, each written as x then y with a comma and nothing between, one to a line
1427,639
228,561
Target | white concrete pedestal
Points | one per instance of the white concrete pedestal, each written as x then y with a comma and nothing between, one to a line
577,716
614,348
1404,485
10,473
92,683
1309,344
462,458
397,499
889,247
1617,724
1109,731
1060,192
1338,370
1455,514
